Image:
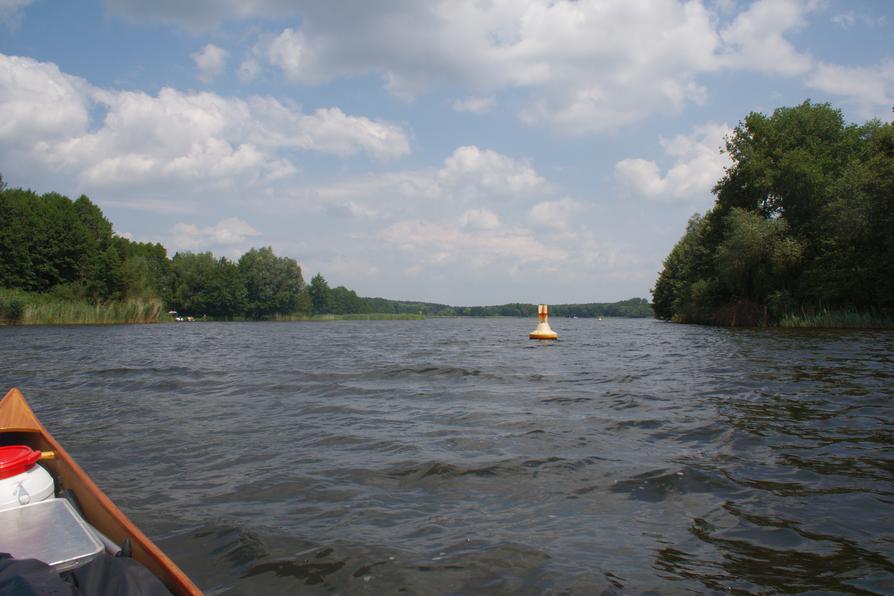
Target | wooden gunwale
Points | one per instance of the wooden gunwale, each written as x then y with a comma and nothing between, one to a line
19,425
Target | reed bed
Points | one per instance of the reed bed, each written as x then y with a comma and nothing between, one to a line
838,319
21,308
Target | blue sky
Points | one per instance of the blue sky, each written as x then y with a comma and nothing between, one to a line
453,151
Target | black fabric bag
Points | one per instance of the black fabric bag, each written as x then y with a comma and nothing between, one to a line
30,577
103,576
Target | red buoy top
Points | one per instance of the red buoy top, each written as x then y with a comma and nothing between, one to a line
16,459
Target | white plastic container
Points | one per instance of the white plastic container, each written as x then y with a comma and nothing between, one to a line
22,480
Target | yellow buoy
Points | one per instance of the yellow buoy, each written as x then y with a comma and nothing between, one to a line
543,331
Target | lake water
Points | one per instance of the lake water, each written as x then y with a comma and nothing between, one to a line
455,456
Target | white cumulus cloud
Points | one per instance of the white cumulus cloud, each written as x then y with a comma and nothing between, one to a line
230,234
482,219
438,244
490,171
557,215
586,67
698,163
578,67
210,62
291,52
467,178
475,105
172,138
869,89
40,102
756,38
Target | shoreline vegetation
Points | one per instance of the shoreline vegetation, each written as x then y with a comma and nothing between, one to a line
62,263
23,308
801,233
837,319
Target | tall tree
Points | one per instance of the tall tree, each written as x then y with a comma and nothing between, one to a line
854,264
147,269
320,295
687,286
18,227
107,278
345,301
784,164
98,228
203,285
757,256
305,307
272,283
60,244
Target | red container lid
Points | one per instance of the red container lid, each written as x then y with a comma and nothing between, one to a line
16,459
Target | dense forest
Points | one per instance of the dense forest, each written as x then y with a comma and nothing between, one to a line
61,252
54,247
802,227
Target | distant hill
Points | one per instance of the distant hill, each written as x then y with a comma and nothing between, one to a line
383,305
634,307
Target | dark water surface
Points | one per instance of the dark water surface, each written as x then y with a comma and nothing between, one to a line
455,456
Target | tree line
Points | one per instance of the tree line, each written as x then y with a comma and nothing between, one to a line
66,249
803,222
52,245
634,307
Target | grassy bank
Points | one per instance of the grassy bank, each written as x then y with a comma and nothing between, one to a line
23,308
837,319
751,314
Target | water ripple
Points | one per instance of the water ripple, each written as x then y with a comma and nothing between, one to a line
456,456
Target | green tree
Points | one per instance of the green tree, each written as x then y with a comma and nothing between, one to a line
757,256
149,275
49,242
98,228
18,227
107,279
227,295
137,278
305,306
63,242
345,301
677,293
320,295
784,165
203,285
803,218
273,284
854,265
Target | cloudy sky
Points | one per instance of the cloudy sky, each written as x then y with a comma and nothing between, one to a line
467,152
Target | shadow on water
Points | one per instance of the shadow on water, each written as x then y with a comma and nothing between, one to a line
766,554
